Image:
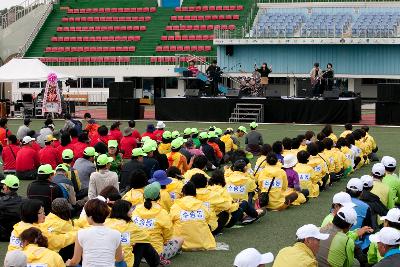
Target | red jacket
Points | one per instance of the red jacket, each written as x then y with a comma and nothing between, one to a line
36,146
74,140
49,155
56,143
79,147
158,134
217,151
115,135
27,159
127,144
136,134
151,135
103,139
4,133
9,157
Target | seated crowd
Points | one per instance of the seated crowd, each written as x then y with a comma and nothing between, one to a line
106,197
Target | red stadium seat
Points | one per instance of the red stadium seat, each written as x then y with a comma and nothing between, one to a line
203,27
65,29
127,10
172,48
174,18
152,9
120,10
197,8
123,28
208,17
171,38
96,19
146,10
192,37
214,17
118,49
211,8
159,48
218,8
101,10
200,17
97,28
179,48
48,49
186,48
196,27
139,10
66,39
131,49
78,29
178,38
79,39
153,59
228,17
217,27
137,38
129,28
205,37
235,17
199,37
165,48
180,18
225,8
185,38
147,18
185,9
175,28
193,48
191,8
168,28
231,27
106,49
93,49
210,27
117,38
193,17
221,17
83,19
135,28
178,9
54,39
64,20
204,8
207,48
99,49
59,29
232,8
72,39
124,38
111,49
200,48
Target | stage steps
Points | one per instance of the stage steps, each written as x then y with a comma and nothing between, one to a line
245,112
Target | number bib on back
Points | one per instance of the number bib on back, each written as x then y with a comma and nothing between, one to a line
236,189
277,183
15,241
304,176
318,168
144,223
125,238
192,215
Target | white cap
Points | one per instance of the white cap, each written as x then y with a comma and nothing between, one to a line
378,169
343,199
250,257
355,184
367,180
387,235
51,126
15,258
289,161
160,125
347,214
310,230
27,139
388,161
393,215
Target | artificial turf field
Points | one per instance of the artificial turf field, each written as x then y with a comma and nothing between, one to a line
276,229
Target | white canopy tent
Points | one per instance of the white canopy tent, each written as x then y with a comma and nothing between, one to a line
28,70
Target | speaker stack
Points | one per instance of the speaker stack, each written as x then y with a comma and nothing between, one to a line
121,104
388,105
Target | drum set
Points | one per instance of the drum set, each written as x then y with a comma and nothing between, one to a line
250,86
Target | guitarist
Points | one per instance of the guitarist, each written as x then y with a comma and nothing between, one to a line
315,76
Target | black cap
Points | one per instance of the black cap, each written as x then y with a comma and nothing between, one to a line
27,120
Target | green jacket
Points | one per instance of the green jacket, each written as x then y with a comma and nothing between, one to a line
373,254
329,218
393,181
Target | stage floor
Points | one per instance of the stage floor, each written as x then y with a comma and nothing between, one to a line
279,110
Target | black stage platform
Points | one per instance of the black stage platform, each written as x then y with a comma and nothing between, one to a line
280,110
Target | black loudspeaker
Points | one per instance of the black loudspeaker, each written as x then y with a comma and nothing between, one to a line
192,93
113,108
229,50
387,113
333,94
123,109
233,93
273,93
121,90
389,92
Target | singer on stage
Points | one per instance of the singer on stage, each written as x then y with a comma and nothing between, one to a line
264,72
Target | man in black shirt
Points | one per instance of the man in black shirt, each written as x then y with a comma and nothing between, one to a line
214,75
135,163
10,205
44,189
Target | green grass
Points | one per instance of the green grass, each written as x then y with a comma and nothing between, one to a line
276,229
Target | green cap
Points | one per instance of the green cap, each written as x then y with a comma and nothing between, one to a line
45,169
211,134
187,131
175,134
148,147
152,191
249,155
182,139
103,159
90,151
113,143
145,139
203,135
11,181
137,152
195,131
167,135
176,143
253,125
243,129
68,154
62,167
218,131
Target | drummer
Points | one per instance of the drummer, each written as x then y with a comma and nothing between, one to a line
264,72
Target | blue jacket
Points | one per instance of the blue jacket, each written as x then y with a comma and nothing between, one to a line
363,219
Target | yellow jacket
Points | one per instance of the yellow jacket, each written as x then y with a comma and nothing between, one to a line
308,179
130,235
165,200
40,256
349,156
134,196
55,224
221,191
280,185
156,222
56,241
213,200
340,159
229,144
192,172
345,133
191,220
319,166
239,185
333,137
329,156
297,255
175,188
261,163
164,148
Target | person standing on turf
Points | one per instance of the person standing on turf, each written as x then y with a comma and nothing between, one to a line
254,139
304,252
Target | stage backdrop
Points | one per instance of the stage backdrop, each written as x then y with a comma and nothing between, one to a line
299,59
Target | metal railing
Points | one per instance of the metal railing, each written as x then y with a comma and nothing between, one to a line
36,30
19,11
321,1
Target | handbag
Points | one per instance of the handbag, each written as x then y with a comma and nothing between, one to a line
263,198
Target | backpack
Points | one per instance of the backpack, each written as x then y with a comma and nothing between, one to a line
78,126
64,191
